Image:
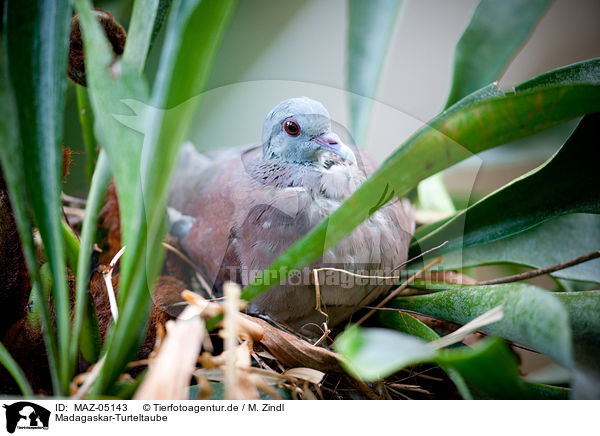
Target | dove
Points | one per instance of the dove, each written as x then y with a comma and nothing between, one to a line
234,212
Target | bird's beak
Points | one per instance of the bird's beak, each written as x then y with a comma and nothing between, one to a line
332,142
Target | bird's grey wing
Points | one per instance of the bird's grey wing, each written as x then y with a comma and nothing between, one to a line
208,194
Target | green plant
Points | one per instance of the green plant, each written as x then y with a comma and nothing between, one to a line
501,228
32,134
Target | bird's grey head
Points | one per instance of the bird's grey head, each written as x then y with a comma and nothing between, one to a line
298,130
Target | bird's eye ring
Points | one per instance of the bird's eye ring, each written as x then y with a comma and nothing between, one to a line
291,127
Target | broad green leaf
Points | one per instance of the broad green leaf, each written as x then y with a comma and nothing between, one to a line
374,353
489,368
566,183
584,311
480,121
491,372
406,323
495,33
555,241
194,31
36,37
371,24
532,316
583,308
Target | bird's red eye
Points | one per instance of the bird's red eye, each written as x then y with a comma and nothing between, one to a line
291,127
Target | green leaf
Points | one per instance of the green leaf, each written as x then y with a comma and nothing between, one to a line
15,370
558,240
85,324
566,183
489,368
161,16
491,371
532,316
583,308
89,338
434,196
406,323
494,35
71,246
86,119
141,34
371,24
36,35
196,28
482,120
374,353
109,82
14,175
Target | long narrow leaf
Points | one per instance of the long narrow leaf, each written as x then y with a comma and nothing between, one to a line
371,24
110,81
98,187
495,32
193,27
36,35
15,370
14,174
86,119
146,19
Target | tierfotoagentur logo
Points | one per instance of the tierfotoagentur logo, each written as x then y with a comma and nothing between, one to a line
24,415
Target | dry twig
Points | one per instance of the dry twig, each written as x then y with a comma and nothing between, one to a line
399,289
542,271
